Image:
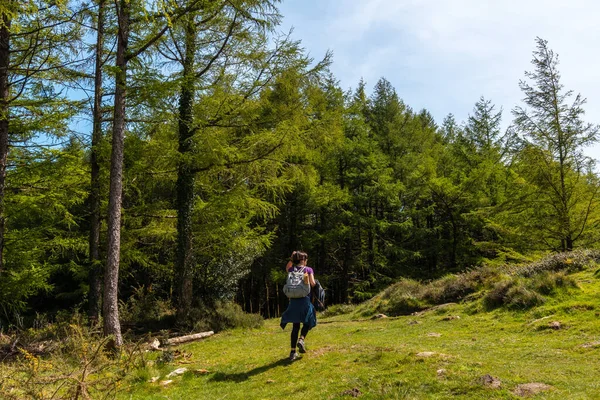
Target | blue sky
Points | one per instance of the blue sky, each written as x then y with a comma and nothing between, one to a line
443,55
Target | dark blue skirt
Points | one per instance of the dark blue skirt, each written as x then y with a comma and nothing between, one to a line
299,310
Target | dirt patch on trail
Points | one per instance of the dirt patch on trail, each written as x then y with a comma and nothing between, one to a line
322,350
531,389
430,354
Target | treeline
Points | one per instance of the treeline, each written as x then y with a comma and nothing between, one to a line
160,157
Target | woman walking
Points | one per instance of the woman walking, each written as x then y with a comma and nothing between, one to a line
300,310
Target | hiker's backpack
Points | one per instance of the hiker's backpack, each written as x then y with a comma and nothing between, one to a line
318,296
295,288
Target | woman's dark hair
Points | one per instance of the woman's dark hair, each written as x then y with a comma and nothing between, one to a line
298,256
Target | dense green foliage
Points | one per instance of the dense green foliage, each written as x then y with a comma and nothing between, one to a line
273,156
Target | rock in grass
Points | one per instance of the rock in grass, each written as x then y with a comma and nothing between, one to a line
154,379
451,317
165,383
531,389
434,334
201,371
591,344
178,371
490,381
352,392
555,325
154,345
441,372
379,316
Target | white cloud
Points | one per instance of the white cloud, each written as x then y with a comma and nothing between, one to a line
442,55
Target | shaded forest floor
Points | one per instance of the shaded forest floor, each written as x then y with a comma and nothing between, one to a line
458,351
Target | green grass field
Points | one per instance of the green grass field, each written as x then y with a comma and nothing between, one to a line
440,354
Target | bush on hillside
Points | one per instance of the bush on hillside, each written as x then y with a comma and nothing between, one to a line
451,288
548,283
403,304
338,309
512,293
496,296
521,297
404,286
514,286
523,293
402,298
571,261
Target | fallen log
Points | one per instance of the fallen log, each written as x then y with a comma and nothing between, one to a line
190,338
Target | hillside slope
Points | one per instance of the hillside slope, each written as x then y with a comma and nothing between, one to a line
455,351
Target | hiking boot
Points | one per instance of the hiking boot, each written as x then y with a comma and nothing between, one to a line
293,356
301,347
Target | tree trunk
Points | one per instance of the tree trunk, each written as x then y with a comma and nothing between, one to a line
184,268
268,303
111,276
454,248
4,97
95,277
189,338
345,278
292,223
569,243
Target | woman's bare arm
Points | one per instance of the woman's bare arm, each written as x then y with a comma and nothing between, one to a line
311,279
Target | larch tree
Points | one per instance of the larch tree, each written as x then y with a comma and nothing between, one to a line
39,56
228,54
554,134
151,24
95,274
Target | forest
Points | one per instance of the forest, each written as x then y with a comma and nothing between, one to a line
160,160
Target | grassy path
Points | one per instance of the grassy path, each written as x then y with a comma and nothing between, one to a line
382,359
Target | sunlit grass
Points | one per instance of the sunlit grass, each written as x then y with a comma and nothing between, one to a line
380,359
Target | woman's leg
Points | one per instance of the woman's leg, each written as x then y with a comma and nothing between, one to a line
304,332
294,337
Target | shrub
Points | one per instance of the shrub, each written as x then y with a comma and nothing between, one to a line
145,308
451,288
338,309
548,282
513,286
78,367
496,297
224,315
401,298
519,297
403,304
404,286
568,261
514,293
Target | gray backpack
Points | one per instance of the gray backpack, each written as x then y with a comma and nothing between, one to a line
295,288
